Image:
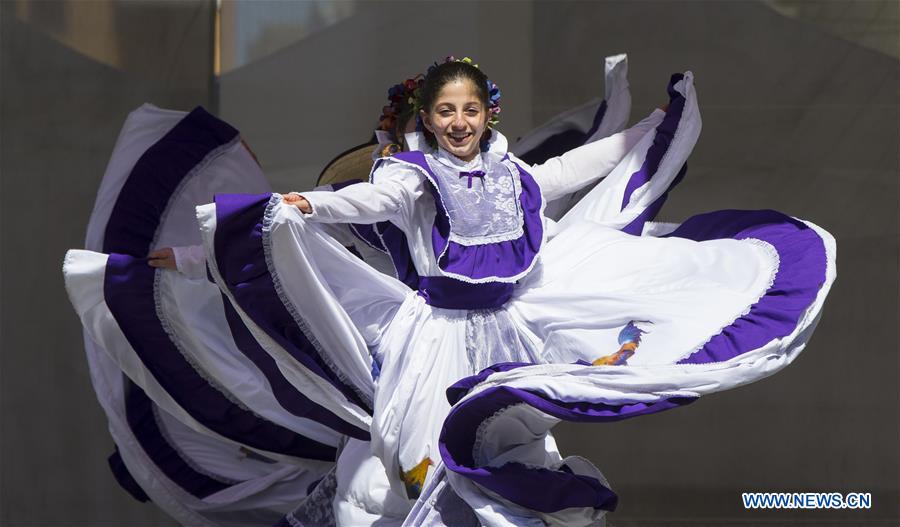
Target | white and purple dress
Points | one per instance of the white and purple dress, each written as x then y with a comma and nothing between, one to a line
350,396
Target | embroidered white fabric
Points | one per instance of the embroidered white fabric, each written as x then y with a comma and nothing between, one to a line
485,209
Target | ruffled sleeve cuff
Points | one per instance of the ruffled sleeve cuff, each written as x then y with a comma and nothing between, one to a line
190,260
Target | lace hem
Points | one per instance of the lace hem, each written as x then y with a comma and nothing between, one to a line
775,259
470,241
267,221
180,346
213,154
187,459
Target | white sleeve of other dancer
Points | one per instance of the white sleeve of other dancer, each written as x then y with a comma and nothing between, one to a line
190,260
391,194
581,166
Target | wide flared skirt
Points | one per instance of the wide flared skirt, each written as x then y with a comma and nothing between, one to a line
608,326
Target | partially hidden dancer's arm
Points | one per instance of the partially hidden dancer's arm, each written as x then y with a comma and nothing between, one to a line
189,260
564,174
393,191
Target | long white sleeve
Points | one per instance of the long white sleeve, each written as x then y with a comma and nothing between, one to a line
190,260
581,166
392,194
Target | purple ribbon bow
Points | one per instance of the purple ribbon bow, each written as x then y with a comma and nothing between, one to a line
473,174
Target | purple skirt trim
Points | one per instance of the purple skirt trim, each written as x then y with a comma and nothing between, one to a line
801,274
291,399
665,132
142,421
540,489
129,293
124,477
636,227
131,228
155,177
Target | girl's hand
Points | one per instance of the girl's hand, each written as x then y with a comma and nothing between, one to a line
298,201
164,258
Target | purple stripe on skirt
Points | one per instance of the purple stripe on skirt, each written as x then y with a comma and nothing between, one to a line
287,395
131,228
124,477
155,177
801,273
665,132
540,489
636,227
460,388
241,259
142,421
129,294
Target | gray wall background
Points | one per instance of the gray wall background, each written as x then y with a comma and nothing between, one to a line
801,108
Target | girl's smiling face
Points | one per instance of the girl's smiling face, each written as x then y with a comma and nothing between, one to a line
457,119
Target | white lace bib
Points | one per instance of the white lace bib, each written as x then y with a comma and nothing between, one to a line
483,205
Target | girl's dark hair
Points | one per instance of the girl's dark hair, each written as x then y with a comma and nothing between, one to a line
443,74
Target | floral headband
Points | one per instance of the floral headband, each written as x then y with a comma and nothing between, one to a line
403,103
405,100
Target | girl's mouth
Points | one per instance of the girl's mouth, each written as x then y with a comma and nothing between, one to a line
459,139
